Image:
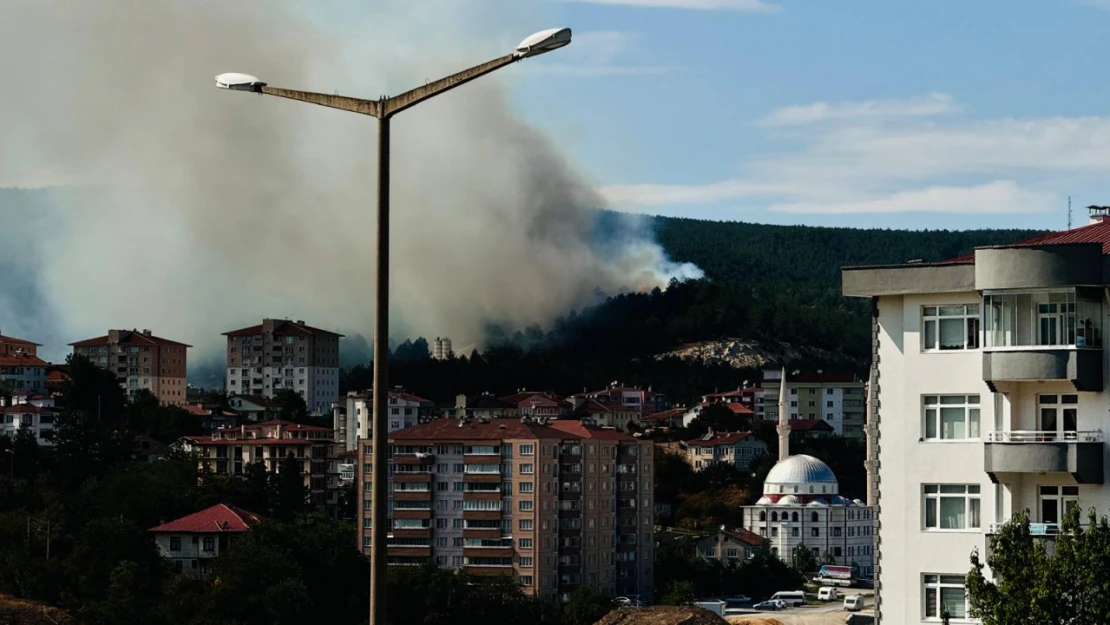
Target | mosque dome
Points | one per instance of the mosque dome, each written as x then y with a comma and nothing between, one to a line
801,475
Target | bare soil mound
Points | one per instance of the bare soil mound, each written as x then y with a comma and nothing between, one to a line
662,615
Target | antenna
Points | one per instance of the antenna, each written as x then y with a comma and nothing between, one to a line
1069,212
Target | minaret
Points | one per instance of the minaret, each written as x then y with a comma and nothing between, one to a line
869,462
784,420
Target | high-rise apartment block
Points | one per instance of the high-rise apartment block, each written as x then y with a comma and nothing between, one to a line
833,397
556,505
141,361
352,415
441,348
20,366
988,397
281,354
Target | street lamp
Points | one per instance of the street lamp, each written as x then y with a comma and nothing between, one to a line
383,109
11,463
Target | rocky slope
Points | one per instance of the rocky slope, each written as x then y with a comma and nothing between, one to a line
749,354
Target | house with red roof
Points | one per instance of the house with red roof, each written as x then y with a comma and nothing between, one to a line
141,361
729,546
735,448
608,415
31,410
744,415
619,396
20,367
536,404
749,396
254,408
192,542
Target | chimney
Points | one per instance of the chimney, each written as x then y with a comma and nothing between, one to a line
267,326
300,322
113,336
146,332
1098,214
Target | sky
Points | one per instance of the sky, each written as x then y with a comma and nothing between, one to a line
896,114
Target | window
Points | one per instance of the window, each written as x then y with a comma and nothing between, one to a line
951,506
526,561
525,506
1056,501
175,543
209,543
951,417
527,469
527,450
1058,417
525,524
525,543
947,590
1061,317
815,532
525,580
950,327
526,487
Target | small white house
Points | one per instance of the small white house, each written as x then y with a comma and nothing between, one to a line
191,542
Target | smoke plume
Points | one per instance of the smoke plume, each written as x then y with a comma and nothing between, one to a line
192,211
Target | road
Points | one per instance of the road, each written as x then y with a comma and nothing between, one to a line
831,613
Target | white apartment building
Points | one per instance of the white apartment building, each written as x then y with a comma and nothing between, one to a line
282,354
835,397
987,397
34,411
351,415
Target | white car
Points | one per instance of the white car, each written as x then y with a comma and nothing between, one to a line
623,601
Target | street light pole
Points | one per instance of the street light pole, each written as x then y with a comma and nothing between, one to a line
383,109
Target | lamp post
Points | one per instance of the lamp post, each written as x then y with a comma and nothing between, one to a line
384,109
11,463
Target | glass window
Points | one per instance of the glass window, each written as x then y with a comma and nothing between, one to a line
951,417
951,506
1058,417
947,590
1066,317
950,327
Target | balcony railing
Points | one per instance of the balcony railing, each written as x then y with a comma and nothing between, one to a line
1035,529
1039,436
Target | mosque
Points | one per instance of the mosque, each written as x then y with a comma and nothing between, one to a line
801,505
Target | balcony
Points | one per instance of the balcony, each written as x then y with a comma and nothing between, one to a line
1078,453
1080,366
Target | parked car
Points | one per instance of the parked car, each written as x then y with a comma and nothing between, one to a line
738,599
623,601
853,603
828,593
769,606
856,618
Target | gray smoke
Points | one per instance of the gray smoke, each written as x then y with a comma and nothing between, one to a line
207,209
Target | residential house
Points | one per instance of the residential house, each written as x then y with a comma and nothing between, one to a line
212,417
735,448
20,367
619,397
670,418
254,408
533,404
749,396
729,546
744,415
34,411
484,406
606,415
192,542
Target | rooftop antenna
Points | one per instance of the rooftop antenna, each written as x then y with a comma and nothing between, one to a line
1069,212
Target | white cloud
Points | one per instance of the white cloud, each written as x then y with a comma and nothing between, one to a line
896,164
932,104
597,53
755,6
1000,196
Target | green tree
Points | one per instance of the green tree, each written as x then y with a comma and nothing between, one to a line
289,491
293,406
93,391
680,592
26,453
803,560
1031,585
586,606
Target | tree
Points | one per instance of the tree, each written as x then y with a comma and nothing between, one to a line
679,593
1031,585
586,606
93,391
804,561
290,494
25,452
293,406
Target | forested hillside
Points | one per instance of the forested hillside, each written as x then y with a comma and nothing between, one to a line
772,255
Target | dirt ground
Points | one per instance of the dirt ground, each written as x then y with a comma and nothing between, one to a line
661,615
20,612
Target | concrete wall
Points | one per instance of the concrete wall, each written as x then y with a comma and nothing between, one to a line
1031,267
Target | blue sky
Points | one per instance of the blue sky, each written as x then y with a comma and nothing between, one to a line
906,114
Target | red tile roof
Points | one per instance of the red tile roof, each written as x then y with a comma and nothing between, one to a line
402,395
284,327
219,519
22,361
745,536
278,442
736,407
721,438
596,406
807,425
289,426
494,429
813,377
666,415
581,430
26,409
11,340
516,398
128,337
1092,233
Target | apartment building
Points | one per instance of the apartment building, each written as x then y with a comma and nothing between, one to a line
555,504
351,415
441,348
20,366
36,412
534,404
228,451
281,354
643,401
834,397
190,544
141,361
735,448
987,397
751,397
